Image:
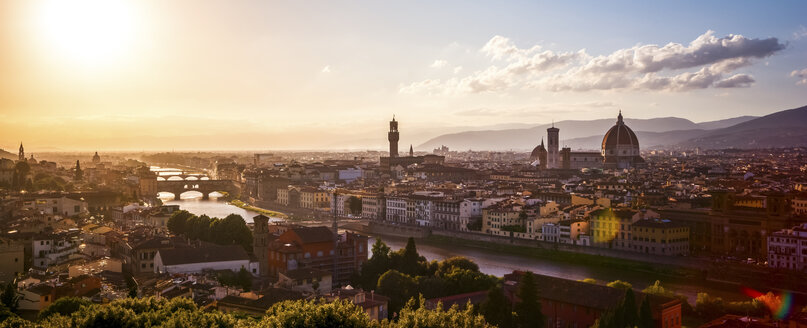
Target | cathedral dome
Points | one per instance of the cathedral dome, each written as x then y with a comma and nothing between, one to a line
619,135
620,147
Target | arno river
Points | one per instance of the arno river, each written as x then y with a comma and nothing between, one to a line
498,264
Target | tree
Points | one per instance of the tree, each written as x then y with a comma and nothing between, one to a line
376,266
354,204
708,307
178,221
410,259
398,287
78,174
528,308
589,281
319,313
645,315
415,314
9,297
457,262
64,306
496,309
244,279
5,313
628,309
620,284
19,179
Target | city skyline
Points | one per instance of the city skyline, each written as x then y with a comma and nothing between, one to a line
285,76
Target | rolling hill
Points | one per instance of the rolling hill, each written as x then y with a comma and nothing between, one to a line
580,134
786,128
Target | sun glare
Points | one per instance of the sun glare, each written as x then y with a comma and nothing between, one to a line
89,33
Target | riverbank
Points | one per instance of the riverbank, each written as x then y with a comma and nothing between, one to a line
570,257
263,211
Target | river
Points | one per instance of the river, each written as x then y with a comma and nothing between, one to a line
499,264
491,262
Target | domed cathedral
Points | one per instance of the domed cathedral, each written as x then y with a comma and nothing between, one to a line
620,147
539,154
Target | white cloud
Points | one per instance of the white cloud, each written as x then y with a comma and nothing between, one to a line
438,63
326,69
800,33
637,67
457,69
801,75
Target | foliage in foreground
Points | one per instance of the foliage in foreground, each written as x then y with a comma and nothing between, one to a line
182,312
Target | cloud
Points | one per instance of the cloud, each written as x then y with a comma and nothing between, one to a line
736,81
438,63
457,69
326,69
800,33
703,63
801,75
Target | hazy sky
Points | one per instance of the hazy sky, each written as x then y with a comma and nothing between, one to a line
101,74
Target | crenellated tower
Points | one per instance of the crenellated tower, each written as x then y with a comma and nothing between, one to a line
393,137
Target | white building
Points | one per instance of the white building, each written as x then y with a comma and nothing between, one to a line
787,248
50,250
198,259
57,206
396,209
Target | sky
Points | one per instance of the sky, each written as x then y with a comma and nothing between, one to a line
263,75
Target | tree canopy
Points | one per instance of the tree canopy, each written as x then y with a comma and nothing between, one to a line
182,312
231,230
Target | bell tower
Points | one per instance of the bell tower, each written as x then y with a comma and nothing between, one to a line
393,137
22,152
552,147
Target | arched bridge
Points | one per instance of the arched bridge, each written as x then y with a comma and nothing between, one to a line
177,187
180,177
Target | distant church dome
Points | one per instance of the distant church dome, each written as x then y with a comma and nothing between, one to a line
620,147
537,151
620,135
539,155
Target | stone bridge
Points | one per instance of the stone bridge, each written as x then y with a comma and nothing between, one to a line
177,187
188,177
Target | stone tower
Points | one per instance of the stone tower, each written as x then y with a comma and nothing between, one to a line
260,243
393,137
22,152
553,160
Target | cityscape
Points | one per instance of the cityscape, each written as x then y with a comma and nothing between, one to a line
272,164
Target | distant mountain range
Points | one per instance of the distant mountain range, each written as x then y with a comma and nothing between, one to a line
6,154
781,129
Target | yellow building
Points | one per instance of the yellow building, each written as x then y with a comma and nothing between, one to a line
505,214
611,228
313,198
659,237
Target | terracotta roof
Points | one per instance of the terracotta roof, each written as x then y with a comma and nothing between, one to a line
314,234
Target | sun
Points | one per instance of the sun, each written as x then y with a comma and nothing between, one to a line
86,32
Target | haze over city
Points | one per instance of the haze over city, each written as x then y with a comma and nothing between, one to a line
400,164
152,75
